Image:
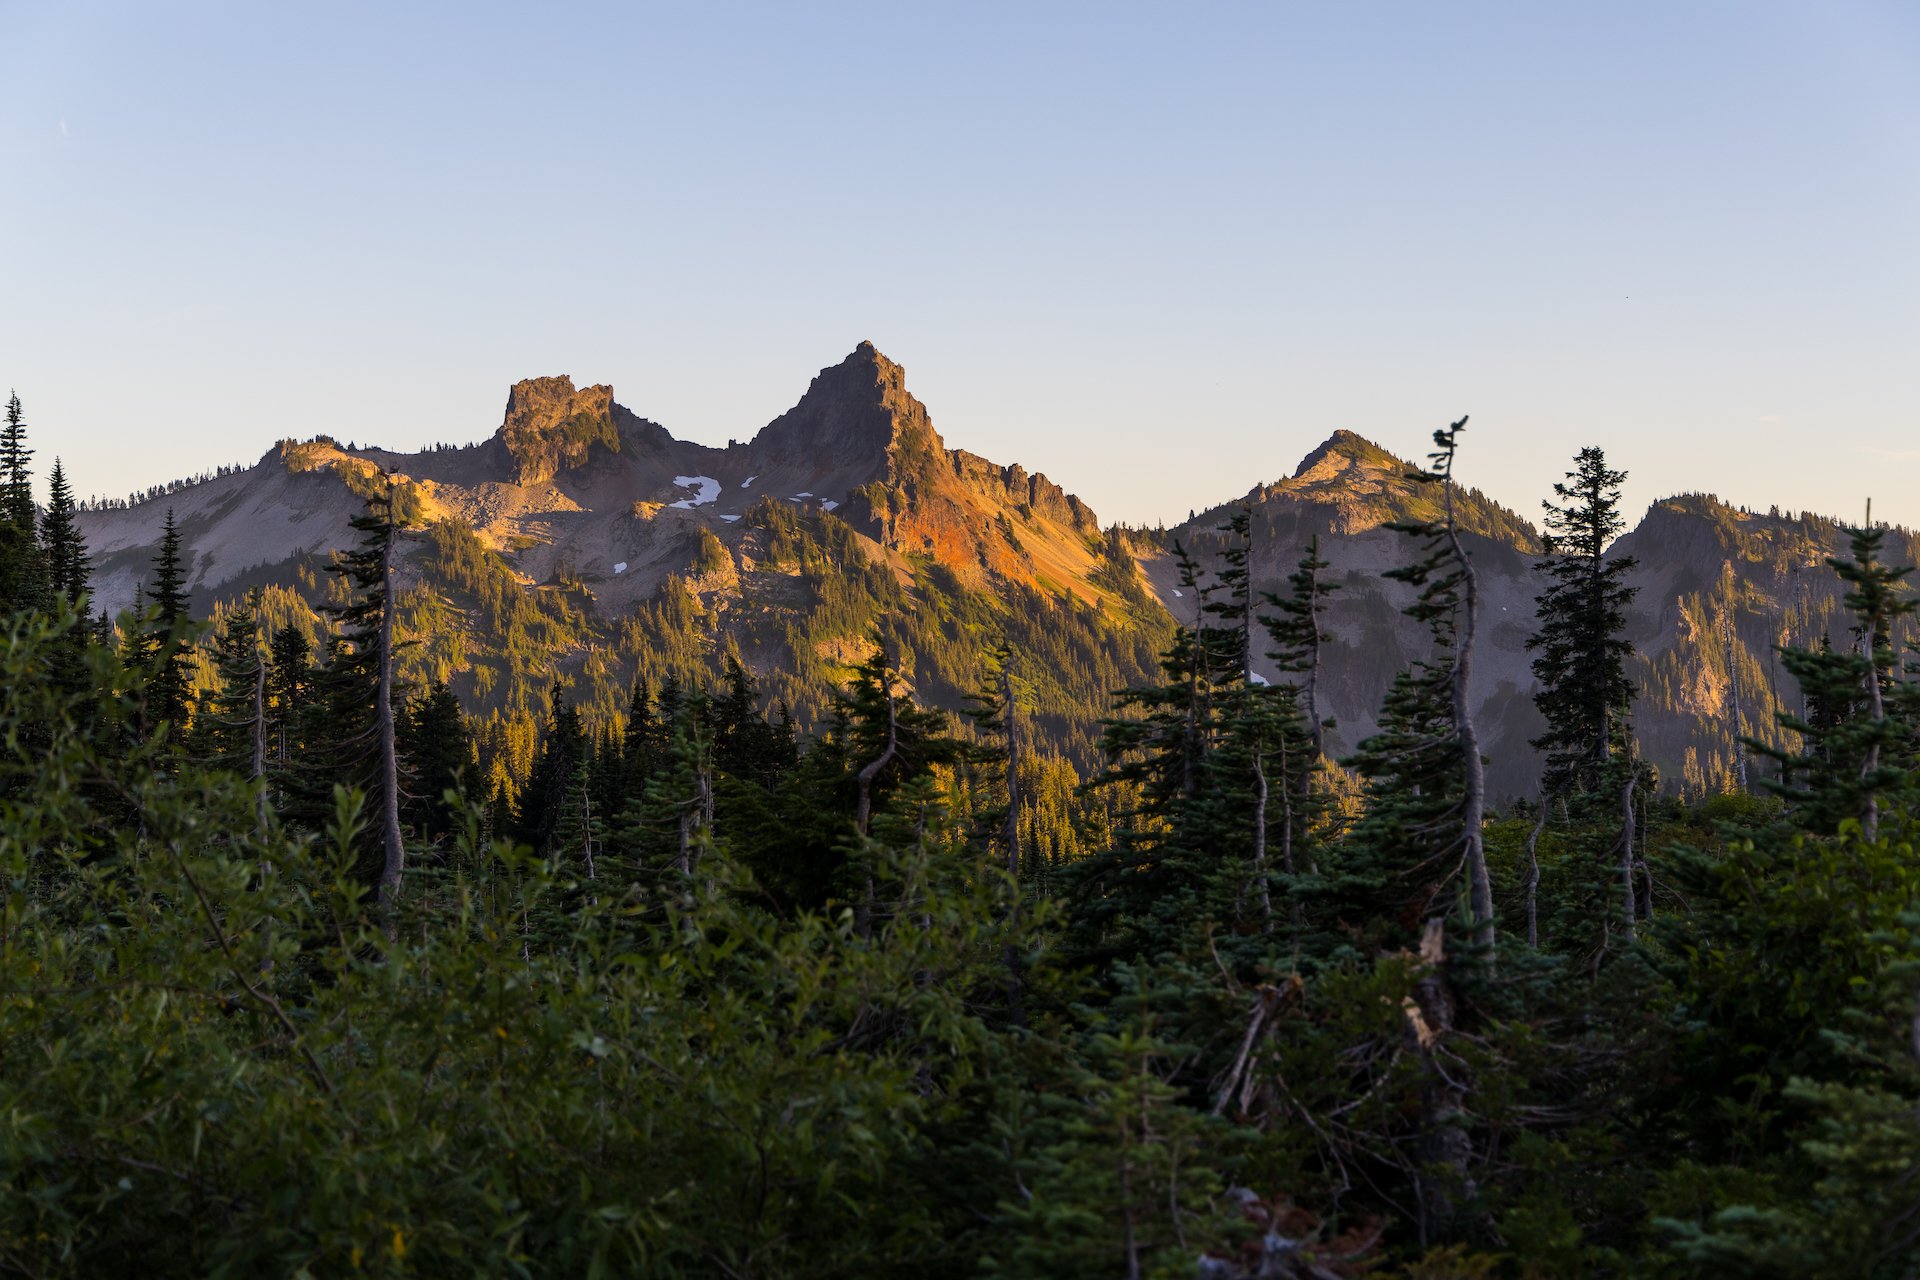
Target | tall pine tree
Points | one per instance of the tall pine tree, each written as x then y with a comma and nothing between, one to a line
165,642
23,580
1584,692
62,543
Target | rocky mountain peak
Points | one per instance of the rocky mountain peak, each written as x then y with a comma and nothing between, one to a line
854,411
1342,450
550,425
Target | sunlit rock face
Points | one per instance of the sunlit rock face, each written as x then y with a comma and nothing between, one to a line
598,516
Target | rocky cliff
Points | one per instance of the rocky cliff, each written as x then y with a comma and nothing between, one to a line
585,540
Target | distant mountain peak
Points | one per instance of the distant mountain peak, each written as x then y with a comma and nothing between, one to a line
1342,449
856,410
550,425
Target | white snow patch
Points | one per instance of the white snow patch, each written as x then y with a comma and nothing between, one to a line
748,482
621,567
709,490
1178,594
1254,677
828,505
730,519
798,496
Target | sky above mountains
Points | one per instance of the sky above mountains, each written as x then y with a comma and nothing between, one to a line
1157,252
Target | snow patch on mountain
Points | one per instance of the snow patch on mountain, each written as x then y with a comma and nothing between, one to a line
709,490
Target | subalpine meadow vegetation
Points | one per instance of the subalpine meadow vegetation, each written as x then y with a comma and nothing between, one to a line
288,985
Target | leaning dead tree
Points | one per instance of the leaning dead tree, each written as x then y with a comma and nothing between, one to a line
1449,603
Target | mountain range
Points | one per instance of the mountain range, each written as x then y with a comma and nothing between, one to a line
585,545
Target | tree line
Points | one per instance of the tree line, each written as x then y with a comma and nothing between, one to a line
286,986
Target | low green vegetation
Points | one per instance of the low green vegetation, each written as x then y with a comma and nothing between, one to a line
306,970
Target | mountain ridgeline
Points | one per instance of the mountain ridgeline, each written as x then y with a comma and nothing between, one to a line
744,955
586,545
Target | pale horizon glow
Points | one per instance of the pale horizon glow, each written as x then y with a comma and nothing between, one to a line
1156,252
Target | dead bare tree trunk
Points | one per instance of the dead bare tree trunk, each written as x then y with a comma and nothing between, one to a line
1627,900
1445,1182
1260,840
1474,808
1313,652
1870,814
1533,876
586,821
259,762
703,796
389,888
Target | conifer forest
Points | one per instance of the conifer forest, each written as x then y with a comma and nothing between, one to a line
1119,962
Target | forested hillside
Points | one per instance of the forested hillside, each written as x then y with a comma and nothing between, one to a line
584,547
302,971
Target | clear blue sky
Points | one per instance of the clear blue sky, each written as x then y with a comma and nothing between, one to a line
1156,251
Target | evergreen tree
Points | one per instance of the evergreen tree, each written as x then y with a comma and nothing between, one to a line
1584,694
640,742
1296,633
16,473
995,766
562,748
1230,603
65,553
435,742
351,725
1396,864
165,642
23,580
579,840
289,682
62,544
239,719
1859,723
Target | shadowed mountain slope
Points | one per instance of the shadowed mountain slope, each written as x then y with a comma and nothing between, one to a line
584,541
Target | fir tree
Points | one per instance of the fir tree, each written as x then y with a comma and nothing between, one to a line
562,747
165,642
1231,601
1584,694
995,714
61,542
23,578
240,717
16,474
1296,633
435,742
352,721
289,681
1857,721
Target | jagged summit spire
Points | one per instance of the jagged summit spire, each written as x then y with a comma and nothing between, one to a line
864,362
858,408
